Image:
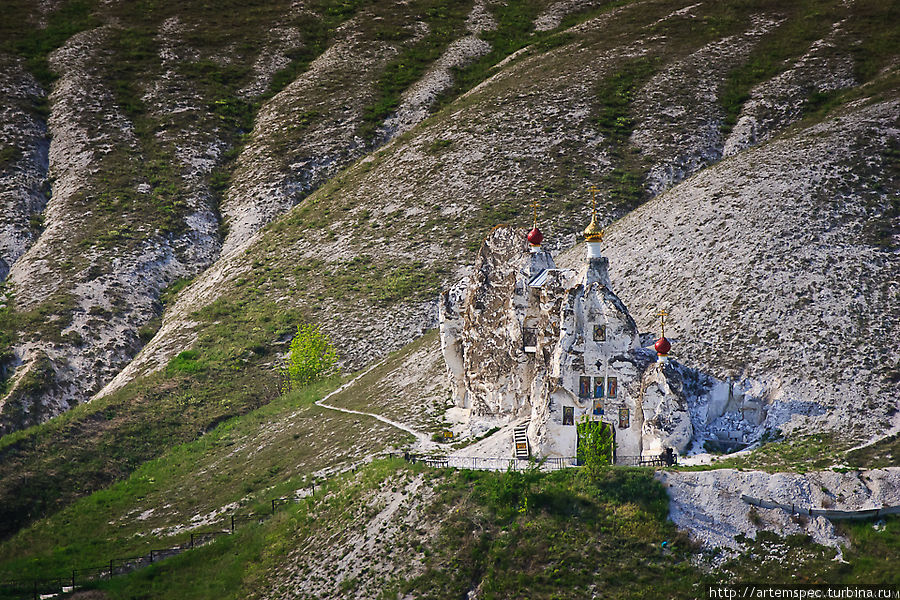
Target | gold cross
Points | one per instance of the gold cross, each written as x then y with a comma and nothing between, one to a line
662,314
594,191
535,204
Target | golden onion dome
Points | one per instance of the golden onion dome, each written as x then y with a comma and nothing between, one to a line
593,232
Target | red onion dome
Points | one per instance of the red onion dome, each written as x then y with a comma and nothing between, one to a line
662,346
535,237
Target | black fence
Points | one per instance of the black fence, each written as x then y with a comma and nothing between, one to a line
37,588
666,458
47,587
478,463
481,463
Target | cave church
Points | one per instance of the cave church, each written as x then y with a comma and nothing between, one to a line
541,348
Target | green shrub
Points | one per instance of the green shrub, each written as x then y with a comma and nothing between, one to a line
312,354
186,362
595,446
39,377
9,155
36,221
439,145
510,493
149,329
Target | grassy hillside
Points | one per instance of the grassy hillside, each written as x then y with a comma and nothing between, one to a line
371,234
391,529
368,247
387,527
45,467
248,460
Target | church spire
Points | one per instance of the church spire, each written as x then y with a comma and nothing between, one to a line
662,345
593,233
535,237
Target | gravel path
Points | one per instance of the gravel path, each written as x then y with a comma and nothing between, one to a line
423,441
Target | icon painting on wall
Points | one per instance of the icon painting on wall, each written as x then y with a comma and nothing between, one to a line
599,333
598,407
623,418
598,387
612,387
584,387
568,415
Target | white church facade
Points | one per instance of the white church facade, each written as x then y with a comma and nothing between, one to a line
543,348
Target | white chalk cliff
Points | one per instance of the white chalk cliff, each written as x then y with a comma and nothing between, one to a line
542,347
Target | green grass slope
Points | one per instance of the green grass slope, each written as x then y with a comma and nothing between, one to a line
365,253
387,528
242,463
393,530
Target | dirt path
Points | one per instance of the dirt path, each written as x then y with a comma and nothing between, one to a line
423,441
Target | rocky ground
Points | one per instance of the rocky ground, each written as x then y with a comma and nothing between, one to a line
708,504
290,164
24,176
528,131
723,258
340,562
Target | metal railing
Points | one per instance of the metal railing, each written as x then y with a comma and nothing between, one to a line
481,463
866,513
37,587
642,461
47,587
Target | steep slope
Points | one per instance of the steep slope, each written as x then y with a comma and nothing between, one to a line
145,114
775,273
308,131
427,532
135,207
681,134
523,133
131,211
358,529
23,162
103,267
285,446
547,113
408,387
324,119
365,230
826,66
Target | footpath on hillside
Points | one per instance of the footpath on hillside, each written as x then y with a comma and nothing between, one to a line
423,441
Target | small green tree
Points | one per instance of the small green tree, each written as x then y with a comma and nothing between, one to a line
311,355
595,446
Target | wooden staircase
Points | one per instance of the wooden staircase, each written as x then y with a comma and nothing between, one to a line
520,437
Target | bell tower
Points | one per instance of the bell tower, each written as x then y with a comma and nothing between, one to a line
597,264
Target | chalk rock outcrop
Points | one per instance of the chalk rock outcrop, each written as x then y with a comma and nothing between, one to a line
545,348
709,503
